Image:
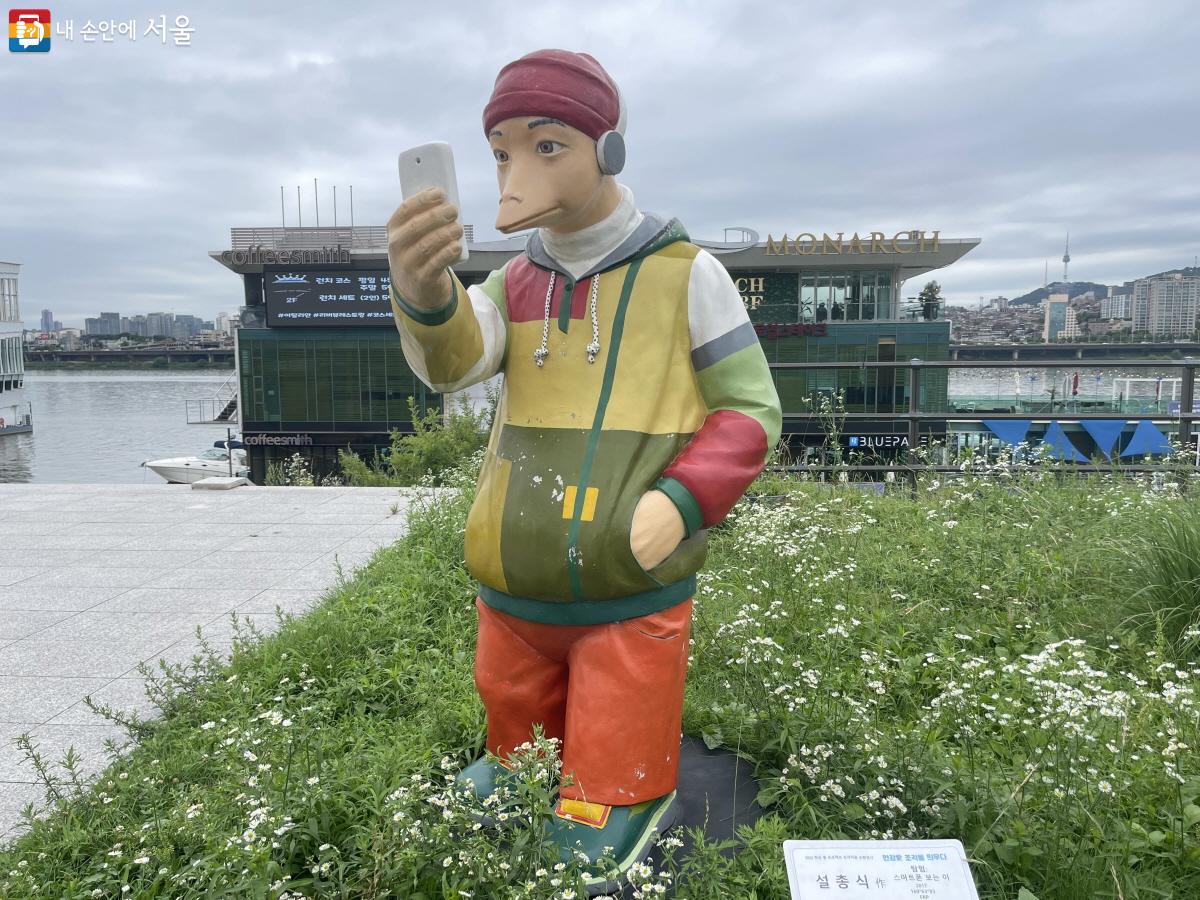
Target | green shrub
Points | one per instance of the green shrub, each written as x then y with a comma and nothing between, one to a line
434,448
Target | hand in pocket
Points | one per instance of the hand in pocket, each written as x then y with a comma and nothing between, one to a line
656,531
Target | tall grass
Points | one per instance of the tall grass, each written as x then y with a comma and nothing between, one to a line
959,663
1164,578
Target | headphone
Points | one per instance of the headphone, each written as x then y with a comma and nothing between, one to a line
610,146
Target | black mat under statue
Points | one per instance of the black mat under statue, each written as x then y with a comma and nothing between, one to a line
717,793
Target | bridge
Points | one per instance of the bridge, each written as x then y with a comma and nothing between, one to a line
1147,350
211,355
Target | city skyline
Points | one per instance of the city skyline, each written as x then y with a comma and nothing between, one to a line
64,326
975,303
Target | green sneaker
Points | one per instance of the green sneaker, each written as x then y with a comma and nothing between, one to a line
620,833
486,778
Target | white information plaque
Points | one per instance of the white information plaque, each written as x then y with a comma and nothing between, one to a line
878,870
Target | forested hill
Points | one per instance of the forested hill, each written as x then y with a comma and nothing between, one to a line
1070,288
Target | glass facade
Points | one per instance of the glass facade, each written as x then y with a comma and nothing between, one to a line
326,379
851,296
863,390
12,363
332,388
1055,319
844,295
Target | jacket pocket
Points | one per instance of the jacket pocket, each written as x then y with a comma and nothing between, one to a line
682,562
649,573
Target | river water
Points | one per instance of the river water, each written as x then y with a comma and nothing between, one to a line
99,426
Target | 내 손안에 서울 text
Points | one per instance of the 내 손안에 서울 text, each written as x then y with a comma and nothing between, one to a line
33,30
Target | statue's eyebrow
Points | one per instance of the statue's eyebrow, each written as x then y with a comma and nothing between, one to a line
536,122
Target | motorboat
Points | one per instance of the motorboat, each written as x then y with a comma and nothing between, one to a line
212,462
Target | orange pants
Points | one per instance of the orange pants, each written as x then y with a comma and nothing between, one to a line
613,694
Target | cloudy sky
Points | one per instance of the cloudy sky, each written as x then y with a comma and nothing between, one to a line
126,162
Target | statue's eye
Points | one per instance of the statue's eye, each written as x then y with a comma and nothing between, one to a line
501,156
547,147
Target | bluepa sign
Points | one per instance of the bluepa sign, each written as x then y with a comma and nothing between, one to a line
808,244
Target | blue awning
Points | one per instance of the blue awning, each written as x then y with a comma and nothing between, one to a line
1011,431
1059,445
1147,440
1104,432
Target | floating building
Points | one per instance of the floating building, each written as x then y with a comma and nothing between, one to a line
320,369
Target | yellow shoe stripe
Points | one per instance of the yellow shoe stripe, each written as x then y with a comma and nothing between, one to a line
594,815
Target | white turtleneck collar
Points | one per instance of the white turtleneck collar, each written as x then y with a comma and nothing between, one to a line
580,250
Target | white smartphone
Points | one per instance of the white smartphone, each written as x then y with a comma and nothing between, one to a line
431,165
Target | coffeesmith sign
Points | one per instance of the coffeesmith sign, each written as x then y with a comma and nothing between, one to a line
277,440
327,298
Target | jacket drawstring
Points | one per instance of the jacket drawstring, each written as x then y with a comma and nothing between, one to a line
593,349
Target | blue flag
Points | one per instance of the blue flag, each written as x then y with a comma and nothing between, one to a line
1060,445
1011,431
1104,432
1147,439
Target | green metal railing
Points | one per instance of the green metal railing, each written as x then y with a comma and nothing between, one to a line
912,372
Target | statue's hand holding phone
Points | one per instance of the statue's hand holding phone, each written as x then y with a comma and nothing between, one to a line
425,233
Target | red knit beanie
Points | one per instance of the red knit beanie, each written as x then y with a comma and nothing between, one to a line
559,84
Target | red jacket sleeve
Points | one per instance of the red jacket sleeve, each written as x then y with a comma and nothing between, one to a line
715,468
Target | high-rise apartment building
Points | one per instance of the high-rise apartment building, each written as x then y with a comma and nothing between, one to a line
107,323
1054,322
1166,305
1116,306
158,324
185,326
1070,325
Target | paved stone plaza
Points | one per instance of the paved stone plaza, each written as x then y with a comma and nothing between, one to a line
95,579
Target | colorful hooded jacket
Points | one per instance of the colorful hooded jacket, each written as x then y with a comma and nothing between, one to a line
680,398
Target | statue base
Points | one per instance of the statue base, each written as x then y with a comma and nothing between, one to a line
717,794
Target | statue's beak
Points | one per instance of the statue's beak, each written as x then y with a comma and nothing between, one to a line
525,202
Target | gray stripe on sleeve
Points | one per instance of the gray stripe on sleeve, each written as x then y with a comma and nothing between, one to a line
730,342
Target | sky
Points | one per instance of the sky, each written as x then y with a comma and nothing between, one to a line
1015,123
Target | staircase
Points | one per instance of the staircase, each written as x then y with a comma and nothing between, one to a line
221,409
229,413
